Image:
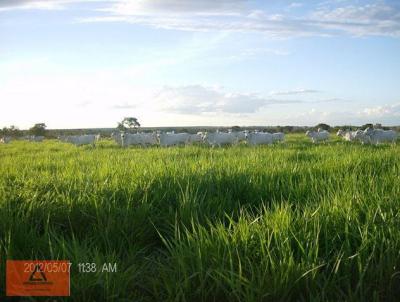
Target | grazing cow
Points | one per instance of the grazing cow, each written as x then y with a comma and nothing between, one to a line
240,135
377,136
62,138
278,137
195,138
79,140
220,138
361,136
5,140
129,139
347,135
116,136
34,138
260,138
172,139
317,136
149,139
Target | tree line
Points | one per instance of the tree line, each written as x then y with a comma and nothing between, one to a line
132,124
38,129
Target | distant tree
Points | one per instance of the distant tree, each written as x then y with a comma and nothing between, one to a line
369,125
38,129
11,131
121,127
346,127
287,129
128,123
323,126
236,128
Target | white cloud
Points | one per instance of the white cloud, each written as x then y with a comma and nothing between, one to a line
331,100
271,25
382,111
294,92
235,16
86,100
137,7
6,5
174,7
249,53
370,19
330,18
386,115
195,99
295,5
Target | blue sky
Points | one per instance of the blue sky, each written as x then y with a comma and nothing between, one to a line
72,63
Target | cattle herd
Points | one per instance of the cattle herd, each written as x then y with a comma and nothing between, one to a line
31,138
213,139
367,136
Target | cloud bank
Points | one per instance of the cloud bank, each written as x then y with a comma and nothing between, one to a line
377,19
195,99
382,111
295,92
331,18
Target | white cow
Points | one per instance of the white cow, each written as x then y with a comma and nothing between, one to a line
195,138
172,139
361,136
64,138
149,139
240,135
34,138
260,138
5,140
278,137
79,140
347,135
38,138
116,136
317,136
220,138
377,136
131,139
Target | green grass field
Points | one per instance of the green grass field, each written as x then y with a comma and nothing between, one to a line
290,222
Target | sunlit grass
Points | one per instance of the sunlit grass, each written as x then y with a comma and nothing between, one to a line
293,221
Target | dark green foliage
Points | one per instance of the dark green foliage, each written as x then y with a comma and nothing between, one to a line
323,126
12,131
38,129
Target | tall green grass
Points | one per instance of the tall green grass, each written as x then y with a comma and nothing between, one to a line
293,221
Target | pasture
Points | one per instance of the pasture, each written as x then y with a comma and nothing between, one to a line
287,222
